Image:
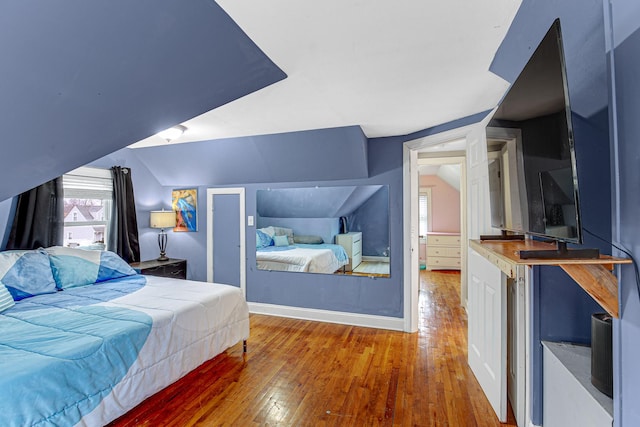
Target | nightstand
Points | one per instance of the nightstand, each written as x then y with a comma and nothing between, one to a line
173,267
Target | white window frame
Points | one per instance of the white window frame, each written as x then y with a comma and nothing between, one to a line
425,192
90,183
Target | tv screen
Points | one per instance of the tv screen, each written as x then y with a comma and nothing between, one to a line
532,168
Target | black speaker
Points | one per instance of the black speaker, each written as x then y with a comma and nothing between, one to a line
601,353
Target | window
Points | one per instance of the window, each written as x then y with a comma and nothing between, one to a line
424,207
88,194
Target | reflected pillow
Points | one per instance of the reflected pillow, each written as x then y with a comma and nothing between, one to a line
26,273
263,239
281,240
283,231
307,239
270,231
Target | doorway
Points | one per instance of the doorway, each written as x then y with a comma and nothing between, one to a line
440,182
472,138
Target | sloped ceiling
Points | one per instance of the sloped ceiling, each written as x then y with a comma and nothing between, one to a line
392,67
80,80
313,202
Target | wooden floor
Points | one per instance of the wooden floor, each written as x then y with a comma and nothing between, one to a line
302,373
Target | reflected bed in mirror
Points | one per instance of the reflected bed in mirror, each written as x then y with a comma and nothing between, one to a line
330,230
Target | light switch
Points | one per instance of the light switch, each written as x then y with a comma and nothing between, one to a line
250,220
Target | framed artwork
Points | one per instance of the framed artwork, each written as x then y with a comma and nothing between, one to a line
185,204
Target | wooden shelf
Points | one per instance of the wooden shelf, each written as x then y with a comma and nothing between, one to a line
593,275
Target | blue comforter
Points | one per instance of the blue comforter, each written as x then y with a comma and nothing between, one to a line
60,354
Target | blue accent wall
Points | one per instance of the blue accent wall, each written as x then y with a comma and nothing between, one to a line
377,162
371,219
562,309
625,58
80,80
315,155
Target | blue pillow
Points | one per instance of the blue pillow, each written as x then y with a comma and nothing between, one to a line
263,239
79,267
26,273
281,240
6,300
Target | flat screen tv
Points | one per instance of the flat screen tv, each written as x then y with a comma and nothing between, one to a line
533,181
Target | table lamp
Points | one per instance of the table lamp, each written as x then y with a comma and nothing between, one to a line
162,219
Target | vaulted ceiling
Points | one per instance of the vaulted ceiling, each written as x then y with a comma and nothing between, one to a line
392,68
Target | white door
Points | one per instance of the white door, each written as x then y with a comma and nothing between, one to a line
487,309
226,249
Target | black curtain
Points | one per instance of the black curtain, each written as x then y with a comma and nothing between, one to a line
39,217
123,236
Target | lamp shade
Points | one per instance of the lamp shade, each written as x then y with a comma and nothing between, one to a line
162,219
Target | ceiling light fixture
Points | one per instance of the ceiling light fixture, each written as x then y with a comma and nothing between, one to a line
172,133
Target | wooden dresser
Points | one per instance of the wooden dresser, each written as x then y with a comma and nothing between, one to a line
352,243
443,251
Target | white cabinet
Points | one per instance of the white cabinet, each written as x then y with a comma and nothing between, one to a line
443,251
352,243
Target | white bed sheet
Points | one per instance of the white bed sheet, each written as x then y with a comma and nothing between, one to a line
299,259
192,323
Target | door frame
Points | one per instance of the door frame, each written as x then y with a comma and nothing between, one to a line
211,193
411,241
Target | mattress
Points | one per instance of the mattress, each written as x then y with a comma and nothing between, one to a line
303,258
86,355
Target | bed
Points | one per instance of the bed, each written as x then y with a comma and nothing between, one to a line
277,248
312,258
87,342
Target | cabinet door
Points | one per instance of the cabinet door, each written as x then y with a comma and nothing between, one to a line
487,343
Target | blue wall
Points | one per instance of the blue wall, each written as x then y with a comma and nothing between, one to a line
562,309
358,163
625,27
80,80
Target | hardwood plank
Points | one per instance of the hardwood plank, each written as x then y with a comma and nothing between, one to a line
303,373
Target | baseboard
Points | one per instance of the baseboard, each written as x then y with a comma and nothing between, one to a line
375,258
340,317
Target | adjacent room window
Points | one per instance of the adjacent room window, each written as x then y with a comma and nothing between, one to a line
424,201
88,195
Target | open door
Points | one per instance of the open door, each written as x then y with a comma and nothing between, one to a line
487,311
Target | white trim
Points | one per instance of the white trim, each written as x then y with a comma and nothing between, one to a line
372,258
411,262
340,317
91,172
410,221
211,192
426,191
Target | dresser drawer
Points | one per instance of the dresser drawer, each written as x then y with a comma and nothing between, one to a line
436,263
443,240
443,251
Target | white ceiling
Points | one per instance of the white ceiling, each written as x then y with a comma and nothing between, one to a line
392,67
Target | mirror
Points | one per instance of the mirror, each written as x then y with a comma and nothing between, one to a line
330,230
